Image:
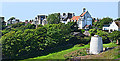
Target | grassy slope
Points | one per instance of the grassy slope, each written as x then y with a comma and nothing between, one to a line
60,54
110,54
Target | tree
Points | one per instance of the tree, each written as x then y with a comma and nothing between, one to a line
25,41
17,25
12,18
53,18
115,35
117,19
92,32
101,33
104,21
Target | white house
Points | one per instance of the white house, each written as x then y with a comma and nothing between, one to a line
114,26
65,18
40,19
83,20
12,21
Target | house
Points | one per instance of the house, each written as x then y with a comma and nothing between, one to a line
13,21
39,19
2,21
114,26
84,20
26,22
65,17
44,22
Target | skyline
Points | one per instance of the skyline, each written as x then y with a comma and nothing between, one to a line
28,10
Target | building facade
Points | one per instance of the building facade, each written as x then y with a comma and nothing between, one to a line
83,20
65,17
13,21
40,19
114,26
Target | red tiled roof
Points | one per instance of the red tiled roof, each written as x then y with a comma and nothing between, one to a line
95,21
83,13
87,26
75,18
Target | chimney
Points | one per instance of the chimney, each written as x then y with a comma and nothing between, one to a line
84,9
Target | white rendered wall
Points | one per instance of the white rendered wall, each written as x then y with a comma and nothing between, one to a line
113,26
105,28
96,45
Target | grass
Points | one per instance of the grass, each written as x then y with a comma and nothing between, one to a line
109,45
60,54
110,54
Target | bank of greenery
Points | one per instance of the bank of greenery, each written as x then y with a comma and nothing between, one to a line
26,41
61,54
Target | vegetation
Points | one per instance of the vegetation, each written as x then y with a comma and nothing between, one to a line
54,39
17,25
53,18
101,33
80,52
12,18
110,54
31,40
61,54
102,22
115,35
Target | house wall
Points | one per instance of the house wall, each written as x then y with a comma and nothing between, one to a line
80,24
64,22
88,19
113,26
105,28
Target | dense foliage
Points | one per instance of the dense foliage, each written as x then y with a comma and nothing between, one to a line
26,40
115,35
53,18
17,25
102,22
101,33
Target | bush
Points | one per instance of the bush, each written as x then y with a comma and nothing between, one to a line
25,41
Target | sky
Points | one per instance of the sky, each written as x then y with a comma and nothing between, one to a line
28,10
59,0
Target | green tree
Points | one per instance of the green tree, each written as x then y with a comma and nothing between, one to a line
17,25
53,18
101,33
115,35
92,32
106,20
12,18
